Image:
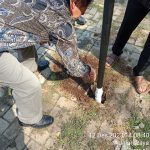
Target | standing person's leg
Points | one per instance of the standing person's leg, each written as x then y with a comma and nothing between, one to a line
135,12
26,90
143,63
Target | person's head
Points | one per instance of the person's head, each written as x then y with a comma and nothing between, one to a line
78,7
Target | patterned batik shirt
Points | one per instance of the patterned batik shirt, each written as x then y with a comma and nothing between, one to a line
26,22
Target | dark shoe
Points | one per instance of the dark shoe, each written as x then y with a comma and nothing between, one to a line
44,122
43,64
81,20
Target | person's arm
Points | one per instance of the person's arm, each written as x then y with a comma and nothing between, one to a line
68,51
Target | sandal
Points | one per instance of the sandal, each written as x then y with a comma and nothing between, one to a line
140,84
110,60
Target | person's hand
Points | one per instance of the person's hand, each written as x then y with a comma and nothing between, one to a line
91,76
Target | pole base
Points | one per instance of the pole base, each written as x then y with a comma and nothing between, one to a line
98,95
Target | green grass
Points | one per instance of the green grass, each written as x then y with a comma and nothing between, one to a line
72,133
141,134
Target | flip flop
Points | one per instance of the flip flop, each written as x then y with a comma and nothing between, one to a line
140,83
110,60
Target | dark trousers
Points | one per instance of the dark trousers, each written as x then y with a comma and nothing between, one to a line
135,13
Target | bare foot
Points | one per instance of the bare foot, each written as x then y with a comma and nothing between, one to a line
140,84
110,60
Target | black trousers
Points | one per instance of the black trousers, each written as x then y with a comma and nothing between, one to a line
135,13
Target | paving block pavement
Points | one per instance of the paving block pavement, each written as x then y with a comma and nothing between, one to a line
64,105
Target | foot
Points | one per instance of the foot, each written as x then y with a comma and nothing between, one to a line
44,122
140,84
110,60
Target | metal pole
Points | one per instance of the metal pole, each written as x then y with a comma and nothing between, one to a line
107,20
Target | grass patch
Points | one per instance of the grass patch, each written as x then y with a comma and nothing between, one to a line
140,131
72,133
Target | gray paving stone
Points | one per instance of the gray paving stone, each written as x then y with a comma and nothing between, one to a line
66,103
3,125
4,142
92,11
11,148
34,146
9,116
3,109
2,92
21,140
97,16
55,111
95,51
40,136
13,130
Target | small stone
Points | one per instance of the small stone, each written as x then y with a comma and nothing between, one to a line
73,98
136,127
142,125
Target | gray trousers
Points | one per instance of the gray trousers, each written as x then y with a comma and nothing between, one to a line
26,88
